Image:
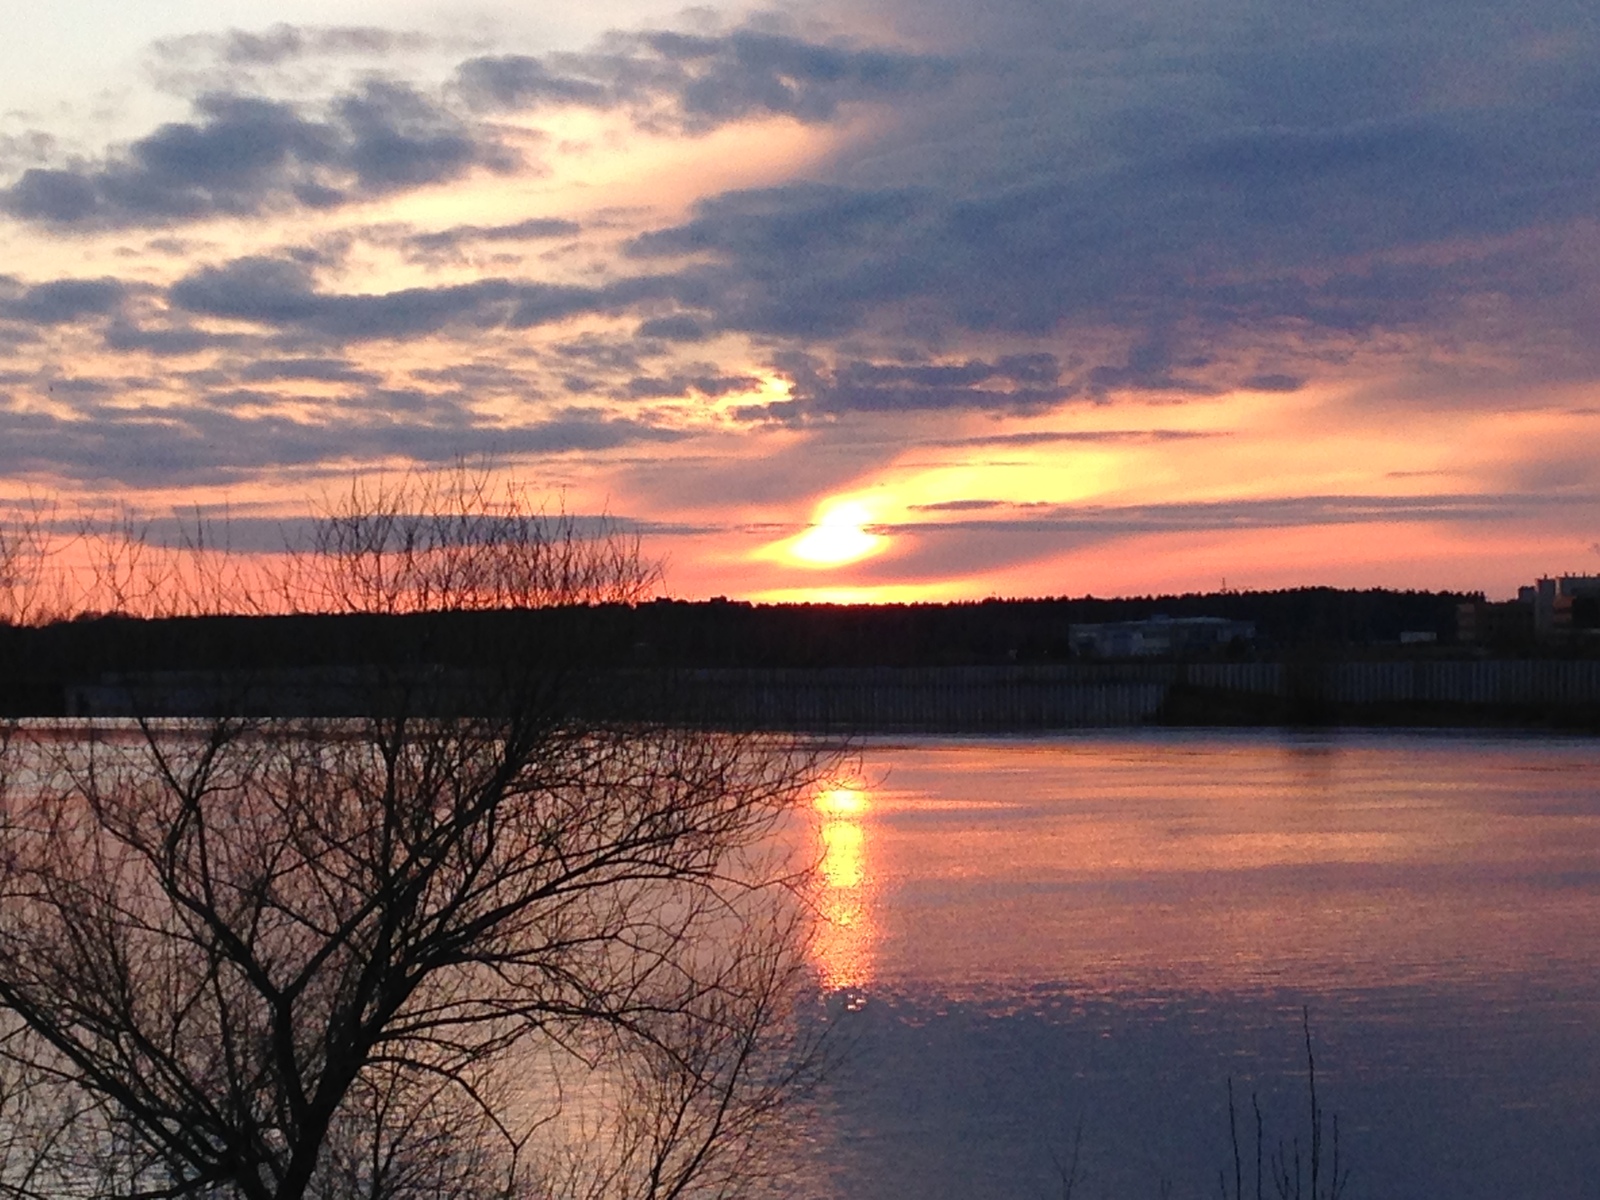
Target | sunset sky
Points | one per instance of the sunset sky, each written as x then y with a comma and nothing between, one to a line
896,299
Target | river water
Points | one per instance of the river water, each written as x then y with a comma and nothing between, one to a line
1047,957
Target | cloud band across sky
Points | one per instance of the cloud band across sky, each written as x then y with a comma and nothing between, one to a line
1114,269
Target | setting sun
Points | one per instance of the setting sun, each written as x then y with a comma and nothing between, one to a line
838,536
786,595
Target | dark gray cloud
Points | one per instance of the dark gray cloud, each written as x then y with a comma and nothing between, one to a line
289,61
1048,437
1026,369
805,260
816,260
699,81
1022,383
1273,381
242,155
322,370
246,151
75,388
282,43
234,435
449,241
960,506
30,149
172,340
514,81
480,378
1273,513
679,327
1054,204
62,301
1210,186
281,292
706,383
395,139
599,353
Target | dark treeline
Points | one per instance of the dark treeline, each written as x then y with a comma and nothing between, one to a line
992,632
38,661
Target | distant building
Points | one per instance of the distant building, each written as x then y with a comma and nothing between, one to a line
1159,636
1563,604
1507,624
1554,608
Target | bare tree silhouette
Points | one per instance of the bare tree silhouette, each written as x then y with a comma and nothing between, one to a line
27,591
460,945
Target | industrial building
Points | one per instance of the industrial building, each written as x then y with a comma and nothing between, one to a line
1159,637
1563,605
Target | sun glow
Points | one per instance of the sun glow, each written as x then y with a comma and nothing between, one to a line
838,536
841,802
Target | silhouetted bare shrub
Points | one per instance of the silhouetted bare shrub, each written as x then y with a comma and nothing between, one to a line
460,945
1311,1171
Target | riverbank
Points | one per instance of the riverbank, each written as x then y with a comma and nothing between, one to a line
1506,693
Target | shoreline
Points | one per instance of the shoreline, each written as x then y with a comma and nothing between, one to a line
1553,695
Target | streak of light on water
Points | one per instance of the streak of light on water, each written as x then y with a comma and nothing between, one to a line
1029,933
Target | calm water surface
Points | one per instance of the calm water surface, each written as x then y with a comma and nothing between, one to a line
1029,937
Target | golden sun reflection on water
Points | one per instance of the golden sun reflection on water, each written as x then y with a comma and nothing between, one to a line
841,801
842,846
844,944
1115,861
